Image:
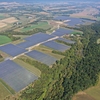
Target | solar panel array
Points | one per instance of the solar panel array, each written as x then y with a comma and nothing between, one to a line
66,40
15,76
35,39
56,46
44,58
25,44
72,21
61,32
12,50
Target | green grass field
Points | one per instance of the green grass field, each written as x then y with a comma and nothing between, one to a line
77,33
42,25
3,91
2,16
4,39
98,18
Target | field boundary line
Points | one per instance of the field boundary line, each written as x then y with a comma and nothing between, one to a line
6,88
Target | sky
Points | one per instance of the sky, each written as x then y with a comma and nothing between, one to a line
43,0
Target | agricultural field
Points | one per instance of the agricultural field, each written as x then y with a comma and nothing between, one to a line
88,12
4,16
93,93
2,24
98,18
9,20
42,25
3,91
4,39
77,33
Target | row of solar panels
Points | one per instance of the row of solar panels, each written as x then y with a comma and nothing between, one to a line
39,38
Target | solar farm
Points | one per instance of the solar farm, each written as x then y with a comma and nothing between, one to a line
61,32
12,50
15,76
35,39
70,21
66,40
56,46
44,58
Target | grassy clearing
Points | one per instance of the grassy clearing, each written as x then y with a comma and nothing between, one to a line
98,18
29,67
48,51
4,55
82,96
2,16
93,93
4,39
77,33
3,92
98,41
11,91
42,25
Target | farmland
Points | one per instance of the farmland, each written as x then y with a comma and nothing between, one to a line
4,39
86,13
42,25
3,91
9,20
41,55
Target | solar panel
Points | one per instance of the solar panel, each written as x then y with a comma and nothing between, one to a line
35,39
72,21
56,46
15,76
61,32
39,37
26,44
12,50
41,57
66,40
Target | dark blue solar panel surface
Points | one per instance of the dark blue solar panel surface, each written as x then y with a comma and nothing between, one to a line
56,46
35,39
61,32
44,58
26,44
39,37
15,76
12,50
72,21
66,40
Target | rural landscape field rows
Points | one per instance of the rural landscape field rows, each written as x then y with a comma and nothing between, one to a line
49,50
